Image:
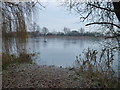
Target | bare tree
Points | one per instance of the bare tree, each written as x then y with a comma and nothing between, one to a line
102,13
15,21
14,16
66,30
45,30
81,30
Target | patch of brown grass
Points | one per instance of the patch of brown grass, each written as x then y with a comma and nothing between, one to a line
95,69
9,59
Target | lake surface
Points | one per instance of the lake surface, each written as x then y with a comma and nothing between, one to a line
60,51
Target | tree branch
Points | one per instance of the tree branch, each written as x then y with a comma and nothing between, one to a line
103,8
102,23
86,16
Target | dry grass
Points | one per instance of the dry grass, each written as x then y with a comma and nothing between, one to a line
10,59
95,69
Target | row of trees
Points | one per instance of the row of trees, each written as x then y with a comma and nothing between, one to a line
37,31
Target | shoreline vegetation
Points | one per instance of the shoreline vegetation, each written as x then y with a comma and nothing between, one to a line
24,74
67,37
60,36
9,60
73,37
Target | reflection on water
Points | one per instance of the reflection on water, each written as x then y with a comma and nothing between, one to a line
59,51
14,45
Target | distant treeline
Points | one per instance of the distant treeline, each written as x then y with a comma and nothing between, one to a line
71,33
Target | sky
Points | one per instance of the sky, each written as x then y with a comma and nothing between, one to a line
56,17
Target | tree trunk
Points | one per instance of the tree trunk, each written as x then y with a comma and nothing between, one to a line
117,9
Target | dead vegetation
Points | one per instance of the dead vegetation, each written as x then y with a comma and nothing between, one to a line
95,70
11,59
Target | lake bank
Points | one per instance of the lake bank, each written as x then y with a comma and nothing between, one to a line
34,76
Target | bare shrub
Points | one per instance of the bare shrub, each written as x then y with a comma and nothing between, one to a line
96,68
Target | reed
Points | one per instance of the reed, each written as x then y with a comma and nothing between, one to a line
95,69
12,59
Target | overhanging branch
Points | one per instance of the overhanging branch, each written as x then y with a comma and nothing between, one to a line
102,23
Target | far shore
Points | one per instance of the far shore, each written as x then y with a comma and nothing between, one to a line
72,37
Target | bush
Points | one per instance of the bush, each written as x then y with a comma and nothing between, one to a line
95,69
9,59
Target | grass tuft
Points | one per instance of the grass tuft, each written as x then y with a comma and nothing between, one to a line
10,59
95,70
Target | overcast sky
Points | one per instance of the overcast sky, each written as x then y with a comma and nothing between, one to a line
56,17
